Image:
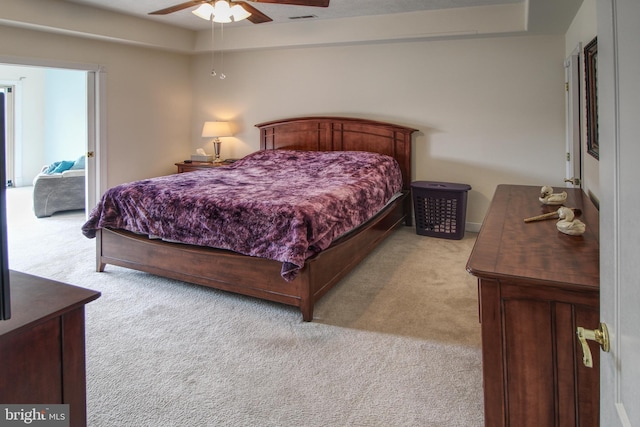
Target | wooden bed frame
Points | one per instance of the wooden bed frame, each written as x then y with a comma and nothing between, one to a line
260,277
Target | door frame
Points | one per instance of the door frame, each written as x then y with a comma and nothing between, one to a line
573,117
11,128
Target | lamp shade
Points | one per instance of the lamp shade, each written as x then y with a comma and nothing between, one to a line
216,129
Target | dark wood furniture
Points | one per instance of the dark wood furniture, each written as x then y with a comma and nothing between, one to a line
42,352
194,166
536,285
260,277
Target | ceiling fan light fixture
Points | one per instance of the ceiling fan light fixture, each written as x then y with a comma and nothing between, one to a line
222,12
204,11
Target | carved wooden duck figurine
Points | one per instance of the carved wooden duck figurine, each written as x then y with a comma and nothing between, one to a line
548,197
568,224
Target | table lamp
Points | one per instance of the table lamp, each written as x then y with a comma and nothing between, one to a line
215,130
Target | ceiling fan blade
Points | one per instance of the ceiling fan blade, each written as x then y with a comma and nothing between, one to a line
256,17
316,3
177,7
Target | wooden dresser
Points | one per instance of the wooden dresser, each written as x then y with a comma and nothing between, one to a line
42,352
535,286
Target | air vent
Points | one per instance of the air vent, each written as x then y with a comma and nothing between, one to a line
303,17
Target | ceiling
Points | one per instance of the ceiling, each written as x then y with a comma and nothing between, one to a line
343,22
337,9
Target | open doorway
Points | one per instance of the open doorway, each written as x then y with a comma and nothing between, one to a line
55,115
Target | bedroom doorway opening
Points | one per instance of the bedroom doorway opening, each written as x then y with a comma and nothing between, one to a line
56,114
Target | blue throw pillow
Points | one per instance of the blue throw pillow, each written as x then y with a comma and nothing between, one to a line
63,166
52,167
79,163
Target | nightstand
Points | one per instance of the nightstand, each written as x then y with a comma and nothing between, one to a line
194,166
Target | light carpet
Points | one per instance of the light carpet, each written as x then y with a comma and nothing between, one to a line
396,343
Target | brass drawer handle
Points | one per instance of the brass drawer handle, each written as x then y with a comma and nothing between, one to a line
600,335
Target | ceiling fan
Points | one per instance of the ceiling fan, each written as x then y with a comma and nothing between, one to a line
256,17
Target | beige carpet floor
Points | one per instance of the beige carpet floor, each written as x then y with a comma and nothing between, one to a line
396,343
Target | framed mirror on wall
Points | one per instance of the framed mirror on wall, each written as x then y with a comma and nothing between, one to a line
591,80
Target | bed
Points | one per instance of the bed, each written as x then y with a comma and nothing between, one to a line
265,278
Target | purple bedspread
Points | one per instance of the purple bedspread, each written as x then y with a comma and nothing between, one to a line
277,204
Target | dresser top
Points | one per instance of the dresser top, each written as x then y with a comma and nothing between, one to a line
36,299
536,252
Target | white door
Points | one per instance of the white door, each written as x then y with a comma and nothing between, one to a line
619,141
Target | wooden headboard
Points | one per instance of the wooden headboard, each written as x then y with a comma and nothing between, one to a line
340,134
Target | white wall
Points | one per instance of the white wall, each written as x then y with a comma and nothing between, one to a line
148,97
65,115
582,30
489,111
